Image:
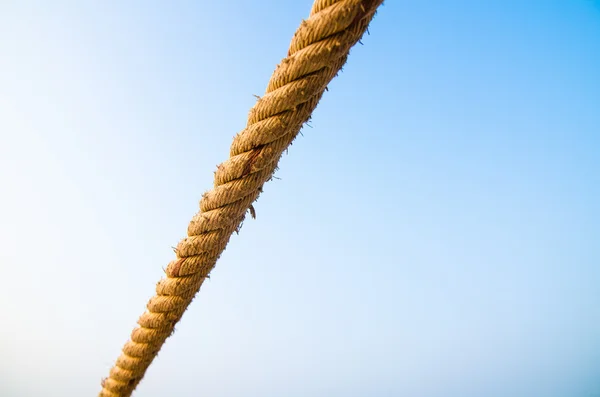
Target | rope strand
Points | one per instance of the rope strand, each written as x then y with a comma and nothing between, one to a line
317,52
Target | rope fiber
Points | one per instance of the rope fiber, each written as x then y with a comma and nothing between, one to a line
317,52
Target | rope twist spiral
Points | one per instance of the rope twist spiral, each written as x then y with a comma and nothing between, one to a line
317,52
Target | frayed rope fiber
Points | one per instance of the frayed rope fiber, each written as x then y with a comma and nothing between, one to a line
317,52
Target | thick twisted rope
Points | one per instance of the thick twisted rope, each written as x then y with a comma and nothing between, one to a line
317,52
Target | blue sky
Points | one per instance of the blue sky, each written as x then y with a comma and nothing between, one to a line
434,234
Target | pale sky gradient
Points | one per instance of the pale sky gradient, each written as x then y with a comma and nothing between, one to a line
435,234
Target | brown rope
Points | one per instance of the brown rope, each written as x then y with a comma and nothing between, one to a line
317,52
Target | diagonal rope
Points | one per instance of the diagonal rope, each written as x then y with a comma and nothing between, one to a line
317,52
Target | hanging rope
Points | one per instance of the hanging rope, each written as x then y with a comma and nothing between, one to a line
317,52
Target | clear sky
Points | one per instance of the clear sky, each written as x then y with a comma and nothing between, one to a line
435,234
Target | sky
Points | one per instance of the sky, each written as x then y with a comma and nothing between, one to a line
434,234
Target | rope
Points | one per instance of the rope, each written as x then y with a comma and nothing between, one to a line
317,52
